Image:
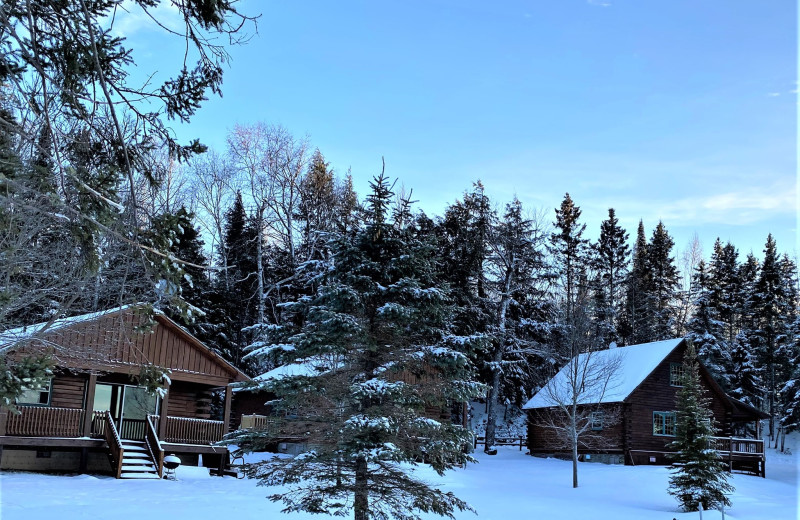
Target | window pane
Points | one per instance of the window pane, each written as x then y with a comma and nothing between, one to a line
40,396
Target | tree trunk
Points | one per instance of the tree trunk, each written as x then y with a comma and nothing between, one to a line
574,427
494,391
260,264
361,500
574,462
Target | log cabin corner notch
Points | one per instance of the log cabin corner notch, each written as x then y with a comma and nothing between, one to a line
92,413
642,400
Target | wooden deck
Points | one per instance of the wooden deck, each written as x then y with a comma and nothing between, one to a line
741,454
48,427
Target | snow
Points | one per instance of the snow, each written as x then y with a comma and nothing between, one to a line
636,363
507,486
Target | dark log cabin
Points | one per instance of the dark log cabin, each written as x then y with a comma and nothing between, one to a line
93,417
252,409
633,420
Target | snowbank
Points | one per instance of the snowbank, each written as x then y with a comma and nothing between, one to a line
508,486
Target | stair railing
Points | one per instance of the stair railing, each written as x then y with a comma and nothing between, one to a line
114,443
154,446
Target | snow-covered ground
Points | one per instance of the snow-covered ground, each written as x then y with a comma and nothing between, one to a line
508,486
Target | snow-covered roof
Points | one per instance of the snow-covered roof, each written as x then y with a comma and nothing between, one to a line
10,337
631,365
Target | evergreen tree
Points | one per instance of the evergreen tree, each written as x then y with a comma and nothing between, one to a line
463,236
699,476
665,280
516,263
374,337
726,289
768,305
569,252
704,329
610,261
637,326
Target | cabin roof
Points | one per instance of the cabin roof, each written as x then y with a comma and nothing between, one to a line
636,363
11,337
50,333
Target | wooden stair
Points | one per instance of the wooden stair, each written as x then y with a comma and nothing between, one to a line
136,461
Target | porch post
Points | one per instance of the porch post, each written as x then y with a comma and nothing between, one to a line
226,414
88,405
162,420
3,419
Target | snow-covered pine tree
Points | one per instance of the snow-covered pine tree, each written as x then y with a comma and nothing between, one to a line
516,264
610,261
698,475
769,306
705,329
725,287
374,340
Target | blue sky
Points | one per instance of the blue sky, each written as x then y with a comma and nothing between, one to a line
684,111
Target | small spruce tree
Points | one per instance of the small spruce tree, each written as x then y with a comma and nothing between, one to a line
699,476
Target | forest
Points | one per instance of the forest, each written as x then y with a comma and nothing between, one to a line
265,252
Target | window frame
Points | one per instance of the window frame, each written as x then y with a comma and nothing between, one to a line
48,388
597,420
665,416
676,374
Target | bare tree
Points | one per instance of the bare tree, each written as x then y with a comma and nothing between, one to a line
213,187
271,162
691,256
576,394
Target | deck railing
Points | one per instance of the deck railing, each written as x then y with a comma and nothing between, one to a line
133,429
98,424
114,443
737,446
154,446
185,430
266,423
41,421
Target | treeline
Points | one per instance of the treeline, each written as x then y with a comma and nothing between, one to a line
240,235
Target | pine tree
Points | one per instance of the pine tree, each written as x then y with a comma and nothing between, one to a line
569,252
699,476
375,337
726,288
704,328
665,280
768,304
637,326
610,261
463,234
516,264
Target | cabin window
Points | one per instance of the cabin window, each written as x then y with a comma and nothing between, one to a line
38,397
597,419
664,424
676,374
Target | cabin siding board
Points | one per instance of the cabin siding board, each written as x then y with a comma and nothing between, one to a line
67,392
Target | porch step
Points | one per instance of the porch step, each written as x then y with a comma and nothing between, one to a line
136,462
139,475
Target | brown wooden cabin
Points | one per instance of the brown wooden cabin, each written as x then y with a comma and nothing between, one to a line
634,422
252,410
93,417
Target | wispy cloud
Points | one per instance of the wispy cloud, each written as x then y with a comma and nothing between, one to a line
130,19
741,207
599,3
774,94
